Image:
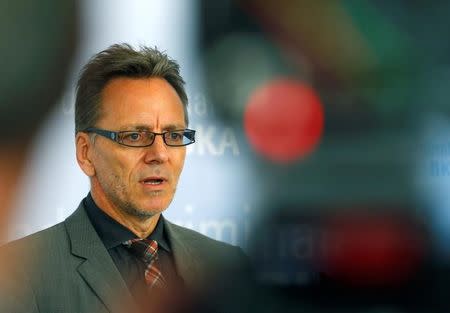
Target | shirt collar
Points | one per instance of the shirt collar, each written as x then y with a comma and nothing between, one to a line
113,234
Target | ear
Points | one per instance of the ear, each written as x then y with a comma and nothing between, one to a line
84,153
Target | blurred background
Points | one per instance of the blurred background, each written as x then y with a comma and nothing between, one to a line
323,142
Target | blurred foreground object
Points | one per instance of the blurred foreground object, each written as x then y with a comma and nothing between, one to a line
348,259
38,43
380,69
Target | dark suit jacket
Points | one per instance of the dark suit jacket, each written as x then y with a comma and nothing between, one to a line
66,268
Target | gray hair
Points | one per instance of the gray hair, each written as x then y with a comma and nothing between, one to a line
121,60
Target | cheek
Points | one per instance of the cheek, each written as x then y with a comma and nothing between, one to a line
113,166
108,174
179,161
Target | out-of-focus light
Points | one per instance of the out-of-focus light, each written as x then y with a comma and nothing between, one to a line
369,250
284,120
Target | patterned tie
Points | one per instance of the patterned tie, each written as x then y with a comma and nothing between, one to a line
147,250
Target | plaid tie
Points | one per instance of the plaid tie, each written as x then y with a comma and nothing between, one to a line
147,250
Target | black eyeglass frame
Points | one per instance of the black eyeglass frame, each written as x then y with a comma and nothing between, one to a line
115,135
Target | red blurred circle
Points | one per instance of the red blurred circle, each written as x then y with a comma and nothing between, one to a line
284,120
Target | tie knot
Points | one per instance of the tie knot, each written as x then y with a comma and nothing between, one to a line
145,249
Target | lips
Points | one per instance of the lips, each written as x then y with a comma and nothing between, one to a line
153,181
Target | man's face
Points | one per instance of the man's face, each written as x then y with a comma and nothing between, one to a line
124,176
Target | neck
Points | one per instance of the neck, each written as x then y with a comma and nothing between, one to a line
142,228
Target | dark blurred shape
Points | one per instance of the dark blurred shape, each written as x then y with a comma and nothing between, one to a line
372,249
38,42
353,259
360,62
358,247
284,249
380,69
284,120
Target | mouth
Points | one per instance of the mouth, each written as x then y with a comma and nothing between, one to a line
153,181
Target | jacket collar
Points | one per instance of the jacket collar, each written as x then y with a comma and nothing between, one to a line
98,268
186,259
100,272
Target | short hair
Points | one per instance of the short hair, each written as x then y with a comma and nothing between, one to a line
121,60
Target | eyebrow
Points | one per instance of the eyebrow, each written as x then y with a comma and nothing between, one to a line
141,127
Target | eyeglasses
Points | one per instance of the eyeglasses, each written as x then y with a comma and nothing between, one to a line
144,138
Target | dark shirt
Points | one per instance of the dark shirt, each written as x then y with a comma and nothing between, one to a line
132,268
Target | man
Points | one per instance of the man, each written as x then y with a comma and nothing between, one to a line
116,252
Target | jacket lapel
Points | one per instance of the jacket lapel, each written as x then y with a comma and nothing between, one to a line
98,268
186,261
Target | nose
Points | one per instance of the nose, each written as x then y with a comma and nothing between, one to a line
156,153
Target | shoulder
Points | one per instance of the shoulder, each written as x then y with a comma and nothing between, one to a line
194,237
35,249
46,237
204,246
20,262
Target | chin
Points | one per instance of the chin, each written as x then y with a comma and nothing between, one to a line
154,211
143,213
154,207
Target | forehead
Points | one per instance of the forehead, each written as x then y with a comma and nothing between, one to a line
150,102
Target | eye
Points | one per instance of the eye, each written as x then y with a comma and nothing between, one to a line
175,136
132,136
